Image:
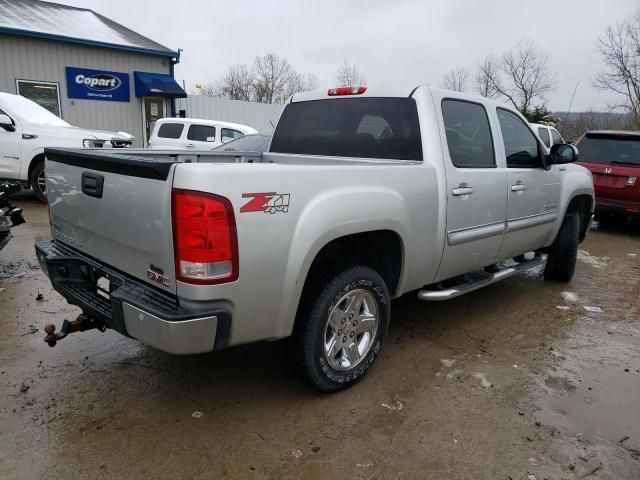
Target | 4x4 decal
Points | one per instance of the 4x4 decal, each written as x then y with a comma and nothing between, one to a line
267,202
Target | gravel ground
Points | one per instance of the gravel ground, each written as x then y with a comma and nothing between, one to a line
519,380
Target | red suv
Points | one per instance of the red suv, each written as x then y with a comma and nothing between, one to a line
614,159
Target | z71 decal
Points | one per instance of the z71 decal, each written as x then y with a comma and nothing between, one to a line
267,202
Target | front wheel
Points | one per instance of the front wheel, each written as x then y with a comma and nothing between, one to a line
340,329
38,182
561,260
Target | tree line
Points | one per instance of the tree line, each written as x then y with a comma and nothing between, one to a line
272,79
519,76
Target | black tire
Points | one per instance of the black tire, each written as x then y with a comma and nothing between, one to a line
41,192
562,255
310,334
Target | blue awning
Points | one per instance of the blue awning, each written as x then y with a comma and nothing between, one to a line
157,85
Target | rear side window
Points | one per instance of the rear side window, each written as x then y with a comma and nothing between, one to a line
468,134
170,130
201,133
556,137
543,133
351,127
520,144
610,148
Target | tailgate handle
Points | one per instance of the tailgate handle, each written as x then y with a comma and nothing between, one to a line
92,184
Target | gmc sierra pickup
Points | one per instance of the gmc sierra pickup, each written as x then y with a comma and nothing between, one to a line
364,194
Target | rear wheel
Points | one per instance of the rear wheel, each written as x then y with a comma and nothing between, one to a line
38,181
562,255
340,328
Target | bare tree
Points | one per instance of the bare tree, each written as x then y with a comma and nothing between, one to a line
487,72
620,52
456,79
236,84
271,76
349,76
521,76
300,83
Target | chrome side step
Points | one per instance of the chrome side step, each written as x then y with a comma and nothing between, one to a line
474,284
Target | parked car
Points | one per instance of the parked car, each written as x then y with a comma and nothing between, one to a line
26,129
10,215
549,135
614,159
194,133
255,142
364,195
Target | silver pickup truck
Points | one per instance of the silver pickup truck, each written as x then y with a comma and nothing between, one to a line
364,195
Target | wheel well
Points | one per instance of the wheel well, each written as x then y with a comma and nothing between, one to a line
381,250
37,159
582,204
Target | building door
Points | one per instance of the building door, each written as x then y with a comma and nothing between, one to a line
153,111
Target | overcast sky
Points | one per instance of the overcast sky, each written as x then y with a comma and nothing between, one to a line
411,42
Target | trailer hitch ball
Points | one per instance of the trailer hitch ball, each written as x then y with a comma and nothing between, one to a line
83,323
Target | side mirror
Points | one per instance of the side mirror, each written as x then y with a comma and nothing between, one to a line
6,123
563,153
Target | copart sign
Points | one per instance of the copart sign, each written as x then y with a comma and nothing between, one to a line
97,84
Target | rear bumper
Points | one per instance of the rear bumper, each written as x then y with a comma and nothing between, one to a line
609,205
131,307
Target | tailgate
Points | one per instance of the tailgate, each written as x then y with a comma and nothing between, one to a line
115,208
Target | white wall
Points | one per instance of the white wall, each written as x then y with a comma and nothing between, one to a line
261,116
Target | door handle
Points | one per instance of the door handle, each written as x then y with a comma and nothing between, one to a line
190,145
518,187
462,191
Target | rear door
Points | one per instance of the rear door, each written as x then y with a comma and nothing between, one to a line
476,189
167,135
201,137
534,192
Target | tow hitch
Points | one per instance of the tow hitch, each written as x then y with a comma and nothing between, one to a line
81,324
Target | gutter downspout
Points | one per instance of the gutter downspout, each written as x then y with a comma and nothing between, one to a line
172,64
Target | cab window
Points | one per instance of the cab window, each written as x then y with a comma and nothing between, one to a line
468,134
520,143
170,130
201,133
543,133
556,137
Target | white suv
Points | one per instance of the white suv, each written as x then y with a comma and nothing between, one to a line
547,134
26,129
194,133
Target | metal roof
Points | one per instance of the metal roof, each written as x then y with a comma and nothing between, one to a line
52,21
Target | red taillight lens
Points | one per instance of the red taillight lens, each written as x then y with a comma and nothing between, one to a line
346,91
204,238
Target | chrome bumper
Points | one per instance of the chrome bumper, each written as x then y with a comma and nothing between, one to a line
185,337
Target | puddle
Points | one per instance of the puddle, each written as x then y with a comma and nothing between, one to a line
595,387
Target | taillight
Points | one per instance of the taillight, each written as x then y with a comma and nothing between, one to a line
204,238
346,91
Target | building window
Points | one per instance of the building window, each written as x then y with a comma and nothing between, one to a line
45,94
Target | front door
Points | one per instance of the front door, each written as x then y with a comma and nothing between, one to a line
153,111
476,190
10,143
534,192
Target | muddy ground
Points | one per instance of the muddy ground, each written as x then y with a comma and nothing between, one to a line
515,381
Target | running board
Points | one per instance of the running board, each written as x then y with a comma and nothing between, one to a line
475,284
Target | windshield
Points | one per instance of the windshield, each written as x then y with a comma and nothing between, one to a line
30,112
610,148
351,127
248,143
